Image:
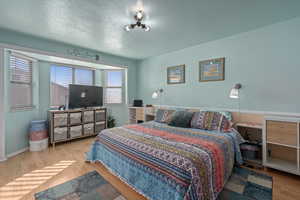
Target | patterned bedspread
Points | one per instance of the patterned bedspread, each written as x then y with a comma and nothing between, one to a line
168,163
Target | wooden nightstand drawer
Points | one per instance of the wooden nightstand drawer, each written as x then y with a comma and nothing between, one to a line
281,145
140,114
282,132
139,117
140,111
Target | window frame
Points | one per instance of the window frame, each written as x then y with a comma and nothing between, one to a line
123,86
73,67
31,83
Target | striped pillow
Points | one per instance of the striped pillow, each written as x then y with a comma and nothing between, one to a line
209,120
163,115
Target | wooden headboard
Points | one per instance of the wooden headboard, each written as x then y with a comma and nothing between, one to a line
248,117
241,117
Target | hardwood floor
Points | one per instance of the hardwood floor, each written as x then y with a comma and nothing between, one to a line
24,175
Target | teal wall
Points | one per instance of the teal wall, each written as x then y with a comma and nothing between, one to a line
265,61
16,123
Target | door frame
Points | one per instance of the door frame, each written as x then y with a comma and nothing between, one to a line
2,124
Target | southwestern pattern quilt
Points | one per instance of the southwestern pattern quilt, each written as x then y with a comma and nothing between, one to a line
168,163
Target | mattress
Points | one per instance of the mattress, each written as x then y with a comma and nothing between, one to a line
169,163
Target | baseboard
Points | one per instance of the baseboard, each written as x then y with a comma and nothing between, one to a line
17,152
3,159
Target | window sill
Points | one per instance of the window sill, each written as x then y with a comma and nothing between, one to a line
22,109
114,104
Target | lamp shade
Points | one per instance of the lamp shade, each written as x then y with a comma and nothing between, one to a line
234,93
154,95
157,93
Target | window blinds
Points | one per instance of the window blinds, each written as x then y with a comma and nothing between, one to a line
114,87
21,82
20,70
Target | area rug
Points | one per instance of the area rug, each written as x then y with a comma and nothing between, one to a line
90,186
243,184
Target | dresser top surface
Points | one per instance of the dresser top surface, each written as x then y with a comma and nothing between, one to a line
76,110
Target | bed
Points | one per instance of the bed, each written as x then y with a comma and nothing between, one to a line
163,162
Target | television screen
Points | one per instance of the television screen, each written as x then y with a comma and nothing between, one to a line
83,96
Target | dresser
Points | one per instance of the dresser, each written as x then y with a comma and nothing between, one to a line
281,143
78,123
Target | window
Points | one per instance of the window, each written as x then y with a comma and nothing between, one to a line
84,77
20,82
113,86
62,76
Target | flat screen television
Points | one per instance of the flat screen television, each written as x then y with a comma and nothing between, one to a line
83,96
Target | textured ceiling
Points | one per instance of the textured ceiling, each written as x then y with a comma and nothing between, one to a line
176,24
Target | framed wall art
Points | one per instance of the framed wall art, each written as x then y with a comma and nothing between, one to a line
176,74
212,70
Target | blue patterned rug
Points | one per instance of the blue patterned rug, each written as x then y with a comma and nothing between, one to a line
243,184
90,186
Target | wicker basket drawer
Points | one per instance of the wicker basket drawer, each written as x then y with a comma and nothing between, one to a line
88,116
75,118
88,129
60,133
99,127
60,119
75,131
100,115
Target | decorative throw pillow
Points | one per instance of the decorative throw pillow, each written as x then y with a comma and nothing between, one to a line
181,119
163,115
208,120
227,114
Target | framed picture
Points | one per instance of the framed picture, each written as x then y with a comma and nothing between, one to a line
212,70
176,74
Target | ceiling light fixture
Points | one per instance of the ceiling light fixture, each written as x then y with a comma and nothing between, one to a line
139,16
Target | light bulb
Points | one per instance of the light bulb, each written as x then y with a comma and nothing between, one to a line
139,15
127,28
147,28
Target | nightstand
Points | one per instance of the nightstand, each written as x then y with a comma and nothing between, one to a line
252,149
140,114
281,143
